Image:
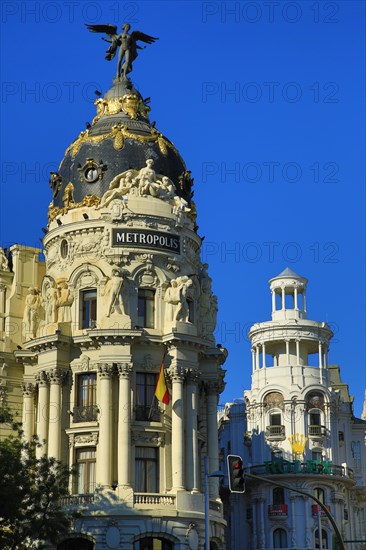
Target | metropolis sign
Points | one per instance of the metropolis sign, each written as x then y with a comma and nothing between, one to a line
140,238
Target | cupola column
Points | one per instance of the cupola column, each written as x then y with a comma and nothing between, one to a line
288,352
177,375
28,410
104,462
42,412
283,298
124,424
273,301
264,355
297,352
257,357
253,359
191,433
54,425
295,299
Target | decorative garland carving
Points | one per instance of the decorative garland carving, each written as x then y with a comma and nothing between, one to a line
119,133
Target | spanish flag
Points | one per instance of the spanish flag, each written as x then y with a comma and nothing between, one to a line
161,388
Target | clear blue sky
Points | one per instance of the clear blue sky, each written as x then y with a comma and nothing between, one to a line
265,102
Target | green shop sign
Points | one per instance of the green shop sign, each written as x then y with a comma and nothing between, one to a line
309,467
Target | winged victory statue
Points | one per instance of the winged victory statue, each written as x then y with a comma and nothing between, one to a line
126,42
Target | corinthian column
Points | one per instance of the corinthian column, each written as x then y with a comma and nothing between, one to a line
54,423
28,410
104,452
42,412
212,391
191,433
124,424
177,377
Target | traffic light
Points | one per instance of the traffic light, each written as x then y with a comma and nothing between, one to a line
236,474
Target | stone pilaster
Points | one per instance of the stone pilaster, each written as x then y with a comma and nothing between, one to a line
124,424
104,450
192,465
56,378
42,412
177,376
28,410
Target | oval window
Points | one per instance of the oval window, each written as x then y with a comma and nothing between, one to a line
64,248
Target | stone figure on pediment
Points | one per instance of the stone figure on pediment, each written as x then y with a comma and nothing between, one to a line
113,293
50,301
119,186
4,264
33,304
64,302
176,299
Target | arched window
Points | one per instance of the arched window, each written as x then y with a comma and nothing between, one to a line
152,543
319,493
279,538
278,495
324,539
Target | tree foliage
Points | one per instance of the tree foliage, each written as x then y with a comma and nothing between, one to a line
31,490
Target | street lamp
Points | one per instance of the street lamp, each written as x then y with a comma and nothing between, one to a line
207,518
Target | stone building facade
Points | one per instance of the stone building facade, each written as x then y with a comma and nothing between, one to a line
298,428
84,332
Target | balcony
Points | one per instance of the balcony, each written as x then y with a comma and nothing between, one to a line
85,413
153,500
277,511
147,413
315,507
77,500
275,433
312,467
317,432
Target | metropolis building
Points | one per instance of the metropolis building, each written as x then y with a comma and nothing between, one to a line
295,426
84,332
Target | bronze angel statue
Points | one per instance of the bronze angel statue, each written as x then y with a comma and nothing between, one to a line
126,42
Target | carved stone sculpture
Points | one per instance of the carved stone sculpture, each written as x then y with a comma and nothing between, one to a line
4,265
175,297
119,186
64,302
32,308
127,44
51,296
113,293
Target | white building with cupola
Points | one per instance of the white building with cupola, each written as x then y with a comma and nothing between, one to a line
83,333
298,428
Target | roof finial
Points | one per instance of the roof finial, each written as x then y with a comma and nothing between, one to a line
126,42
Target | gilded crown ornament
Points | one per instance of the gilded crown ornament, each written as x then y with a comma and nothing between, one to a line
298,442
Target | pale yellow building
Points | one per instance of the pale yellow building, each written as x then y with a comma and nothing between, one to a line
84,332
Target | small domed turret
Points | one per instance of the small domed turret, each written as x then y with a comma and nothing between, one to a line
288,295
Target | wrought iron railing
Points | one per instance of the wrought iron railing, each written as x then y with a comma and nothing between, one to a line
147,413
85,413
276,432
317,431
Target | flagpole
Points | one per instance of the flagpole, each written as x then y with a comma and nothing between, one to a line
151,406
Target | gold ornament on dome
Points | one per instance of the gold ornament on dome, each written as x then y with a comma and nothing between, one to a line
298,442
69,204
119,133
129,104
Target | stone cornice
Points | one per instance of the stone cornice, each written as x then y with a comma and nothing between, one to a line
45,343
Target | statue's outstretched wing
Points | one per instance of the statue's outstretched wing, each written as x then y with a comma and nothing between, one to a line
137,35
110,30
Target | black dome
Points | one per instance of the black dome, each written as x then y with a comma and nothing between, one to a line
120,138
